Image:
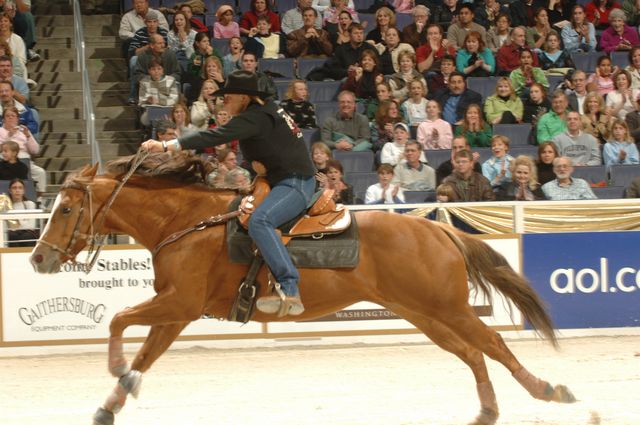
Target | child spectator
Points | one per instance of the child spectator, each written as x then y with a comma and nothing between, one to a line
477,132
335,180
297,105
547,152
231,61
504,106
536,104
27,230
399,81
434,132
203,109
225,27
384,192
383,93
181,117
475,60
440,79
363,78
445,193
10,166
393,152
497,168
202,49
321,154
156,89
414,109
527,74
602,81
552,57
620,148
249,20
264,43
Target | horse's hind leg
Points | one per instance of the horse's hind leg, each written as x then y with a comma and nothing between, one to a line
159,339
449,341
471,329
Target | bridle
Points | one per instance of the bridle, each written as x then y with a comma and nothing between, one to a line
94,239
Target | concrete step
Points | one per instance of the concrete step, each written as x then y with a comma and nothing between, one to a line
92,52
107,112
95,76
67,30
60,20
117,137
69,65
62,163
53,89
105,98
68,41
77,125
83,150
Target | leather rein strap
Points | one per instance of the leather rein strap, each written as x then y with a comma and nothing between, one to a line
210,222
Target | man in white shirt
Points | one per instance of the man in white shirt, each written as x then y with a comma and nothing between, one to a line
133,20
576,99
292,20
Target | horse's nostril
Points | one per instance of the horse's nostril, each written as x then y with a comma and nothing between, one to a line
38,258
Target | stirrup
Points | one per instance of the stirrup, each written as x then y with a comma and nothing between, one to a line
280,304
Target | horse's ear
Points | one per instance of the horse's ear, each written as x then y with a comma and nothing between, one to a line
89,171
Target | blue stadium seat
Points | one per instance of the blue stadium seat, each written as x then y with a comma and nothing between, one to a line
355,162
620,59
554,80
435,157
403,19
281,87
371,19
529,150
609,192
221,45
623,175
486,86
311,135
324,110
284,67
419,196
323,91
306,65
593,174
518,134
360,182
485,154
586,61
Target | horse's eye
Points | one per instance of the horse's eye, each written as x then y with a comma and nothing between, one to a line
65,210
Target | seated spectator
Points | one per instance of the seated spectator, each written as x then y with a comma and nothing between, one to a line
560,12
339,32
265,82
498,35
392,152
166,130
547,152
633,191
399,81
458,144
26,118
477,132
387,115
486,13
634,66
195,23
202,49
553,122
414,109
579,35
497,169
619,36
524,186
383,93
134,19
440,79
203,109
390,50
445,193
309,41
429,55
249,20
213,71
222,117
181,117
602,80
332,15
415,33
622,100
536,35
227,162
27,232
295,104
364,76
385,19
322,5
10,166
595,119
344,57
456,98
12,130
156,89
468,185
384,192
434,132
598,12
552,58
232,60
620,148
579,92
404,6
474,59
264,43
527,74
446,13
225,27
503,107
180,39
457,31
321,154
536,104
19,69
508,57
343,192
24,25
347,130
20,87
633,122
582,148
564,187
293,19
157,50
414,174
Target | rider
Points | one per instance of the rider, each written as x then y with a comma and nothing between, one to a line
267,135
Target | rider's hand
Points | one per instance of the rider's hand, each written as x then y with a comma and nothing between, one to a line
152,146
246,205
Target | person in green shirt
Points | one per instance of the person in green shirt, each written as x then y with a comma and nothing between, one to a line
553,122
527,74
477,132
503,107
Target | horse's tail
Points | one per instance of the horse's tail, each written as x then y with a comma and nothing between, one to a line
487,267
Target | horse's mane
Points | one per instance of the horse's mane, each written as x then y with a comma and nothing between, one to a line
183,167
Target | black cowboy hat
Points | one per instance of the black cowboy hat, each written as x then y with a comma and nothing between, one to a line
241,82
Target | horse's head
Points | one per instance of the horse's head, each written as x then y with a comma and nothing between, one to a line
70,225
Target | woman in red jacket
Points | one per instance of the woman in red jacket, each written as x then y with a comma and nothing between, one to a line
249,21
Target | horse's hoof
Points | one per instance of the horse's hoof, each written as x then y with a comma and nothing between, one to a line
562,394
131,382
486,417
103,417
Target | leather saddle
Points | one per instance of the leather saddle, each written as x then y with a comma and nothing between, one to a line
324,217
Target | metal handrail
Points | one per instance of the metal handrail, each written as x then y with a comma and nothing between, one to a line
87,99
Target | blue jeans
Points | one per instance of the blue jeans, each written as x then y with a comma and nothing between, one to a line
286,200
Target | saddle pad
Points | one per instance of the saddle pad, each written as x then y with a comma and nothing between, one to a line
331,251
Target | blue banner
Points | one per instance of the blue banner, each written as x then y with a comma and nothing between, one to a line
588,280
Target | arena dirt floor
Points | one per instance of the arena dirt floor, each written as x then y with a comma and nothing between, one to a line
355,384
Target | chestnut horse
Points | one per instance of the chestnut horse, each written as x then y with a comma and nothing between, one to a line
194,276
